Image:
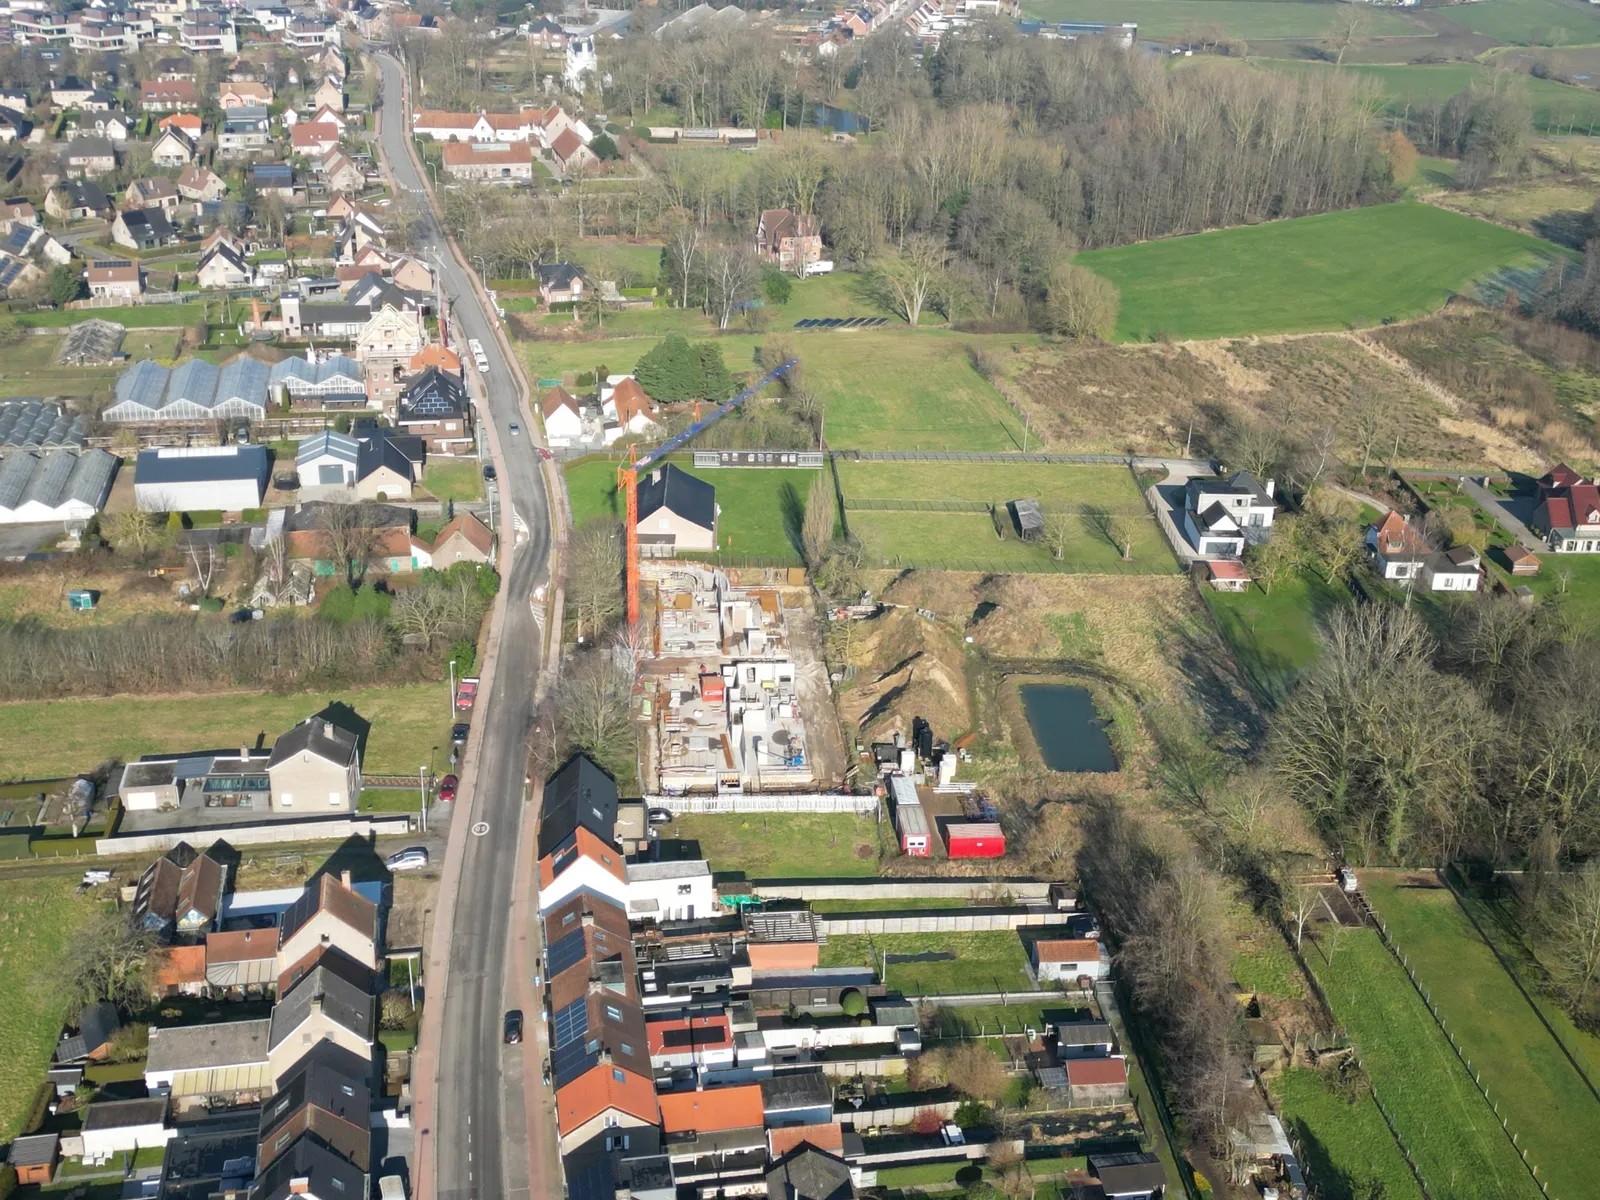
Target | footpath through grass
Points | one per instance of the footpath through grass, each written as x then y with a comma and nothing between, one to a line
1452,1133
37,916
1333,271
1520,1061
47,739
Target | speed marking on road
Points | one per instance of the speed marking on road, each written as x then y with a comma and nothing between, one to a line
481,828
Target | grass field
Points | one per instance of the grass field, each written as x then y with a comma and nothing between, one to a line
1453,1133
1557,107
1080,492
139,316
1274,635
783,845
1521,1062
1347,1146
52,738
892,389
762,510
453,479
36,918
1528,22
1235,18
1335,270
979,962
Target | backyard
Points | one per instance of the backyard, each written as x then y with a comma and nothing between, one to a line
1525,1068
783,845
457,479
1348,1149
1274,634
953,962
36,918
51,738
1337,270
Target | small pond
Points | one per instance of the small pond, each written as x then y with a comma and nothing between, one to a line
841,120
1070,734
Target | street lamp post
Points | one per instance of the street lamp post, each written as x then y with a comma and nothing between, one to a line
452,697
422,789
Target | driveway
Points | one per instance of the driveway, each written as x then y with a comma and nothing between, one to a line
1491,504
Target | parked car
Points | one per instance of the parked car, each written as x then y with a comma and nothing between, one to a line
513,1033
447,788
412,858
488,471
660,816
515,429
458,733
545,454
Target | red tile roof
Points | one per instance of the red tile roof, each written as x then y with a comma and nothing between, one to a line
631,400
1227,568
241,945
465,154
567,144
709,1033
177,965
555,400
824,1137
712,1110
604,1086
1068,950
588,846
1091,1071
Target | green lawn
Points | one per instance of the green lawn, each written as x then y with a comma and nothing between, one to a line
1332,271
887,389
455,479
1347,1146
762,510
1410,86
979,962
1274,635
50,738
1528,22
1520,1061
36,918
989,1020
139,316
1572,581
1453,1133
783,845
390,799
1234,18
1080,492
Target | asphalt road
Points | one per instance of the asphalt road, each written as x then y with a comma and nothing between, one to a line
475,1069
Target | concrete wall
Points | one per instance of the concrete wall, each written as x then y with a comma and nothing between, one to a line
767,803
964,920
971,1150
335,829
901,889
891,1114
849,1068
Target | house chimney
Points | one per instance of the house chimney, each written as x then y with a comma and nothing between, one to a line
344,878
588,919
604,1057
1271,487
316,1005
624,1192
244,753
299,1185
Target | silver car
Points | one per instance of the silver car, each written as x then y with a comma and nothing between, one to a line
412,858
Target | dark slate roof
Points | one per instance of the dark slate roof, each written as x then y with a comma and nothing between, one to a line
321,737
334,314
84,194
118,1114
578,794
97,1024
693,499
1130,1172
324,1082
218,1156
329,894
1084,1033
246,462
276,174
39,1150
89,146
809,1174
375,452
798,1089
151,223
559,275
329,1174
638,1173
342,1002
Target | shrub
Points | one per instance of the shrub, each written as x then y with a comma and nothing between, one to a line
926,1121
585,379
605,148
970,1114
776,285
465,654
211,604
852,1003
253,516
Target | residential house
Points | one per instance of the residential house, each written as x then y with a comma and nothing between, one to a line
169,95
340,172
14,100
1066,960
313,138
323,1006
1400,553
1096,1082
175,148
437,355
222,1058
433,406
627,408
208,34
390,334
358,233
272,179
115,280
33,1158
175,67
1458,569
568,152
602,1071
309,33
112,124
489,162
333,466
563,418
325,1094
72,200
201,478
223,267
153,193
12,127
577,823
178,971
18,211
1221,516
185,122
546,34
199,184
329,94
318,765
124,1126
143,229
1130,1175
789,241
231,94
87,156
33,244
1568,512
464,539
413,275
796,1098
241,963
695,1115
677,512
309,1170
394,549
181,892
92,1033
810,1173
244,130
73,92
560,283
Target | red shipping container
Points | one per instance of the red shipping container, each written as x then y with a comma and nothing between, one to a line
976,839
711,689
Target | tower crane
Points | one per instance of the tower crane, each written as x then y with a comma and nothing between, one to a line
628,476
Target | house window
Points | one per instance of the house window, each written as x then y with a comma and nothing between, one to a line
611,1121
685,889
334,799
614,1013
625,1048
338,1184
287,800
283,1140
616,1074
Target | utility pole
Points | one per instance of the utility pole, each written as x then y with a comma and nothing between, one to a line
1189,440
452,697
422,789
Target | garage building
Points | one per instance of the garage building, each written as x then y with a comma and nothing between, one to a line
197,478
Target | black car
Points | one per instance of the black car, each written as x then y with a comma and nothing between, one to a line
660,816
513,1027
488,470
458,734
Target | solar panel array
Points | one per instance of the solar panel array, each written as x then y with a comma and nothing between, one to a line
841,322
564,952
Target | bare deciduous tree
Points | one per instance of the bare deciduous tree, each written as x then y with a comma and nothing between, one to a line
816,531
909,280
1081,305
730,275
594,576
349,537
107,958
1574,938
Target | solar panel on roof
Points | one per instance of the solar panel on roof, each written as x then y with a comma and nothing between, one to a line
570,1061
564,952
571,1023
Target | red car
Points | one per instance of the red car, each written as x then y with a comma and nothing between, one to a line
447,788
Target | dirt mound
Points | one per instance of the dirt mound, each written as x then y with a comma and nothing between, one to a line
905,666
